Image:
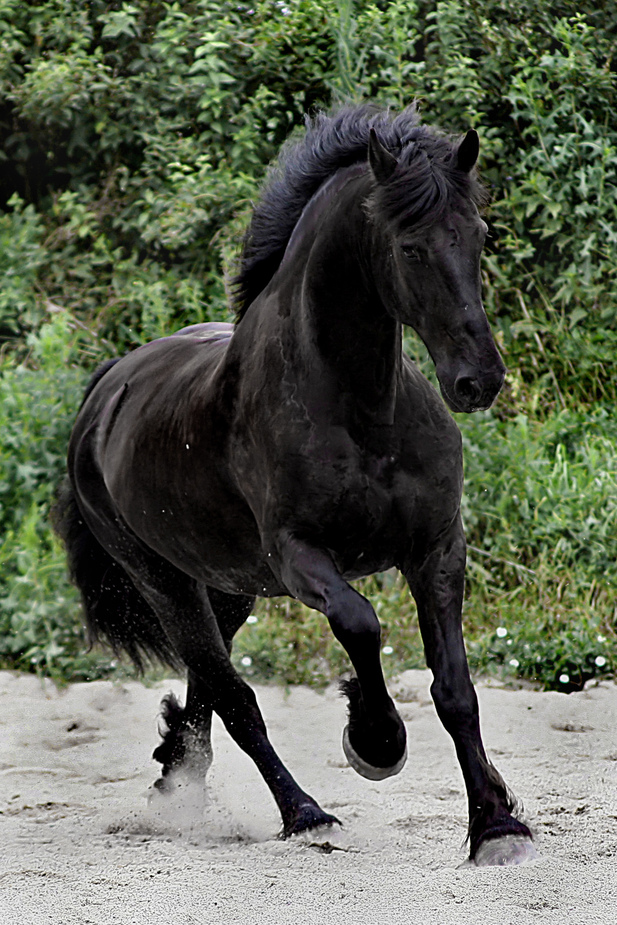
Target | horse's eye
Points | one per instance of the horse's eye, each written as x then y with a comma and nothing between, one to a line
410,252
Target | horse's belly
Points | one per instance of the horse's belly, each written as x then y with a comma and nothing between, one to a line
213,538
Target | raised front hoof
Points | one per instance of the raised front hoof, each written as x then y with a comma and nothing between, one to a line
365,769
504,851
308,816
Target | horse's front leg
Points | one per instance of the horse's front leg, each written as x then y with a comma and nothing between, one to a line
374,740
437,582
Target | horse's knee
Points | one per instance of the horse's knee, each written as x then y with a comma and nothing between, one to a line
354,620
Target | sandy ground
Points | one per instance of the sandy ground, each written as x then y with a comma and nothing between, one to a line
80,844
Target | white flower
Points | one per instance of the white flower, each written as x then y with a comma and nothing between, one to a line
387,650
251,619
501,631
564,678
246,660
600,661
514,662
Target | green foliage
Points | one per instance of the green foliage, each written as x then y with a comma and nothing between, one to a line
544,491
39,616
374,52
561,648
558,217
540,511
133,139
36,404
138,134
21,256
39,611
139,131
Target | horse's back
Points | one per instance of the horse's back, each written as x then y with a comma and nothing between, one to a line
158,380
207,331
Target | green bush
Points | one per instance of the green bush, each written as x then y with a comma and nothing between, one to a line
40,625
21,257
557,219
136,136
540,510
544,492
133,139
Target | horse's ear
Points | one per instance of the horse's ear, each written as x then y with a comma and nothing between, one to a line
383,164
468,150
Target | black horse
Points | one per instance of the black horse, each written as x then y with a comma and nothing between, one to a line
299,449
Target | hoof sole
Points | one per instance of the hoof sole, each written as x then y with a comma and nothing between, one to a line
501,852
364,768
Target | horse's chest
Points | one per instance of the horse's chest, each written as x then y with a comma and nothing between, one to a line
354,514
370,505
353,492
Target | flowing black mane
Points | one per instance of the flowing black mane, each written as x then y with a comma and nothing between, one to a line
425,181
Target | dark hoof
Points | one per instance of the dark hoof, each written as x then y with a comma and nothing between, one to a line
166,789
171,749
177,779
308,816
180,798
379,742
509,849
365,769
164,785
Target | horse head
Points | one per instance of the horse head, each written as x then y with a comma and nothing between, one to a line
430,237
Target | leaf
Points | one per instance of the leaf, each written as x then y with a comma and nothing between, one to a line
576,315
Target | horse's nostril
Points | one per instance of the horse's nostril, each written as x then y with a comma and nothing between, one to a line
467,389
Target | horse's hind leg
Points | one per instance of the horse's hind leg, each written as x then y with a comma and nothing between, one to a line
186,747
186,731
495,836
185,613
182,623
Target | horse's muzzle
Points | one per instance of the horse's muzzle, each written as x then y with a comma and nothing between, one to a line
473,392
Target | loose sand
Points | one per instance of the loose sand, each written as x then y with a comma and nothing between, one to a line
80,845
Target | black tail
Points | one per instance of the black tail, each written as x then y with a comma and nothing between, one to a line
115,611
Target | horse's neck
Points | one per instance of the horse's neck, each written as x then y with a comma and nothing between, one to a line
320,327
341,308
